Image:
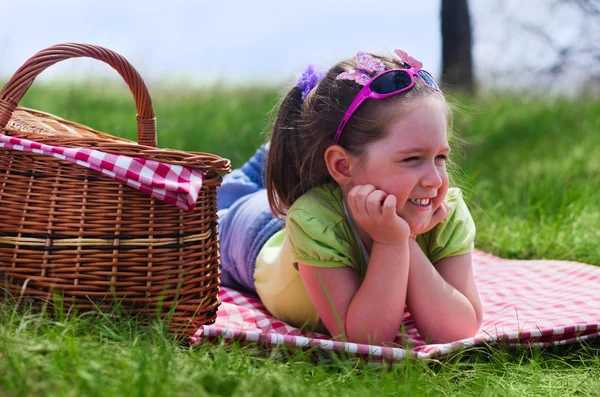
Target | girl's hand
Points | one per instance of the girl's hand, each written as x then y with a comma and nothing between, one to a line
375,212
438,216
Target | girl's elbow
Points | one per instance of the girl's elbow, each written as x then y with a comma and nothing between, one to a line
461,330
471,331
372,339
371,336
464,333
469,328
478,316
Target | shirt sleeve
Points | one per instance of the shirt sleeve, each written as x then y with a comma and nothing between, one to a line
319,241
456,234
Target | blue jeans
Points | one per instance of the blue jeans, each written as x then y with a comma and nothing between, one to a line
245,221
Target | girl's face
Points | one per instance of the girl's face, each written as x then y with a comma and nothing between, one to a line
410,162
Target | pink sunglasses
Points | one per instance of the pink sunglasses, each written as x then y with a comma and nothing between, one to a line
391,82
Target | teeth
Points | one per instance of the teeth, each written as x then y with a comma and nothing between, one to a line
424,201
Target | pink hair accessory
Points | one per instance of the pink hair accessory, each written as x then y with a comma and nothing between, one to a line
410,61
360,77
368,64
365,63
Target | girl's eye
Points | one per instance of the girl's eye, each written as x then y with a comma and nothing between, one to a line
442,157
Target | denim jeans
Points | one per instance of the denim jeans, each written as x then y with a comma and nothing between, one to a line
245,221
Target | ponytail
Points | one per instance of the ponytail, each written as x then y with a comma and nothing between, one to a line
284,165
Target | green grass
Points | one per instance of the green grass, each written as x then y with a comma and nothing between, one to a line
534,172
531,170
94,355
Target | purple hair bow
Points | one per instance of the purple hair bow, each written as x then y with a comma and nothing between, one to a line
309,80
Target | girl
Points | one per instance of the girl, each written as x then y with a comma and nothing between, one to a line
357,169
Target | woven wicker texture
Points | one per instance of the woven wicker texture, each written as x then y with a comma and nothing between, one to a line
69,230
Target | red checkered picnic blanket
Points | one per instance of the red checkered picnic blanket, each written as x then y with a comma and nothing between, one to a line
525,302
173,184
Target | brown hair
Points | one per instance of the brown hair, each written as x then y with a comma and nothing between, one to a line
303,130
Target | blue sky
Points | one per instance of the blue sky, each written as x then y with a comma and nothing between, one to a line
266,40
231,40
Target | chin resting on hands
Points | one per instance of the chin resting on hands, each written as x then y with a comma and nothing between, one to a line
375,212
438,216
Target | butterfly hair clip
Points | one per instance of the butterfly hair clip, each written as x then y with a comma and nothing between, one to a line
365,65
407,60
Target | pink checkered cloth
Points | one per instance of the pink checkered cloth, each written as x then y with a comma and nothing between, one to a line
533,302
173,184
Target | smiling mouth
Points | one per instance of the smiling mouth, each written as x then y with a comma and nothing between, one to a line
425,204
421,202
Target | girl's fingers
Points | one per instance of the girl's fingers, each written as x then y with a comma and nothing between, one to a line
445,208
374,202
356,198
441,212
361,197
389,206
353,197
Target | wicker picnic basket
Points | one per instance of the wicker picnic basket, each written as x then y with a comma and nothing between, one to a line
71,232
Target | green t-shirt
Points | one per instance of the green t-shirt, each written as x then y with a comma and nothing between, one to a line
318,233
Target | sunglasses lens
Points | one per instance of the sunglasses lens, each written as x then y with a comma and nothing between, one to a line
428,79
390,82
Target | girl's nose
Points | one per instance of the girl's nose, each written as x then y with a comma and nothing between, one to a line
432,177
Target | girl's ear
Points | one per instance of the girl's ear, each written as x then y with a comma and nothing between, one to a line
339,164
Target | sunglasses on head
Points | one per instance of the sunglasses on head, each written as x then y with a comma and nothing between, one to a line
389,83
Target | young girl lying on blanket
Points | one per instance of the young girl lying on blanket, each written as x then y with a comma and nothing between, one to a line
366,222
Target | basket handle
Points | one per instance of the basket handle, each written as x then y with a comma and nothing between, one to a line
20,82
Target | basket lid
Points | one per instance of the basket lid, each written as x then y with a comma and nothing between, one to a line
29,121
49,129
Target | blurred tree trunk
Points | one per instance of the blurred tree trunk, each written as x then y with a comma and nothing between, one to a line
457,60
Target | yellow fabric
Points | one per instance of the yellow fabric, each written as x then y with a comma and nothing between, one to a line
317,233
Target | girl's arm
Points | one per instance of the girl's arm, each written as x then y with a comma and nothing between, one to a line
362,311
443,300
369,311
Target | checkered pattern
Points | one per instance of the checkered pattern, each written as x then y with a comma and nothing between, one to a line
535,302
173,184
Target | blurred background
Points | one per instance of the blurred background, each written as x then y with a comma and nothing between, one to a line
539,45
